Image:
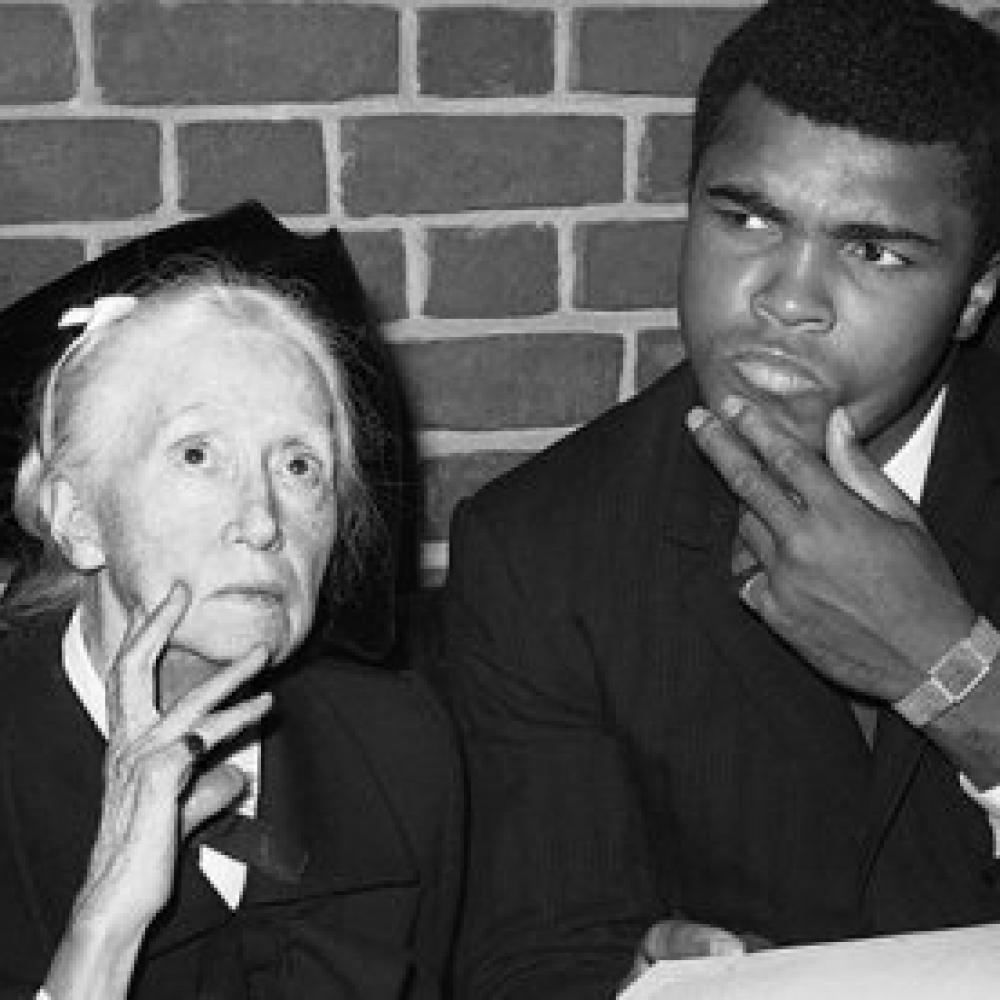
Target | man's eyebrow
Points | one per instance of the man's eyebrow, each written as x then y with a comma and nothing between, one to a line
856,232
881,232
749,199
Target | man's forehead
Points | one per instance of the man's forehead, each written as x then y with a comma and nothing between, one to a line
764,147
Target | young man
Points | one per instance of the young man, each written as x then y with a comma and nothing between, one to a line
652,764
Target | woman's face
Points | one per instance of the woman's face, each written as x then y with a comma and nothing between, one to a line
220,473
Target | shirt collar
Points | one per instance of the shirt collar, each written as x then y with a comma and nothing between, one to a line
907,469
82,677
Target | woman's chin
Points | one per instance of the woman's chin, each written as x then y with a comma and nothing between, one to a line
228,637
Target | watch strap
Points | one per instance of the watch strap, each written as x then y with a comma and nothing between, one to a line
953,677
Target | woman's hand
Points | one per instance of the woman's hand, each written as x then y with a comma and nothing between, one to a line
154,795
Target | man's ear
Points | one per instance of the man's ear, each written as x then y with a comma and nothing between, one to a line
981,295
71,523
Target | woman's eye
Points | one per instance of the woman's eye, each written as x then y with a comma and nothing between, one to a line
304,469
195,455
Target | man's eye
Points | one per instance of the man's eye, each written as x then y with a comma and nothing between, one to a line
740,218
870,252
750,221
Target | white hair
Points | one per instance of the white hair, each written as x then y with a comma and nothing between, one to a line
67,435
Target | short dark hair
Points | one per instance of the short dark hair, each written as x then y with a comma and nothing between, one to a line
909,71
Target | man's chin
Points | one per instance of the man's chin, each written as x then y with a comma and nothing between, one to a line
810,432
802,418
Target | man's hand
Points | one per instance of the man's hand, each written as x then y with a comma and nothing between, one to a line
677,938
848,574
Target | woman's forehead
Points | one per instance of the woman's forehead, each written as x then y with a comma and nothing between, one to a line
186,359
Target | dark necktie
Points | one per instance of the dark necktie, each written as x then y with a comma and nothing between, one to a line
256,843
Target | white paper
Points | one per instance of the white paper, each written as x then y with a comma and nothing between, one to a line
961,964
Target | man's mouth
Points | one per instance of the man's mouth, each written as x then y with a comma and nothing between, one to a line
777,375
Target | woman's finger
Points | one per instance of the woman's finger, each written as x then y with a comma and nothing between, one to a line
112,686
218,727
134,668
192,712
210,793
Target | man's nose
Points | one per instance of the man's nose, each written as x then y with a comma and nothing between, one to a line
257,519
794,291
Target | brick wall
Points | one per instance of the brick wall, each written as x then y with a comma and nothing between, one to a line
509,178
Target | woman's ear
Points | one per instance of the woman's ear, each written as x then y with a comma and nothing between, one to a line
981,295
73,527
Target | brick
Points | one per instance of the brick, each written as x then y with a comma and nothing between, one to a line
448,479
279,163
627,265
663,158
78,169
381,265
514,380
511,271
440,163
646,50
27,264
232,53
658,352
37,55
485,52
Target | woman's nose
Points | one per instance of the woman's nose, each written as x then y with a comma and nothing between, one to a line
257,521
794,293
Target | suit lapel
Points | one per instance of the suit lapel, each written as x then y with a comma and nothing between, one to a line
962,496
963,519
809,714
322,794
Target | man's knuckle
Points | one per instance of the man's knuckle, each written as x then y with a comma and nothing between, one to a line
787,460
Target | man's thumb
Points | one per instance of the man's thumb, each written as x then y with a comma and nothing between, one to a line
859,474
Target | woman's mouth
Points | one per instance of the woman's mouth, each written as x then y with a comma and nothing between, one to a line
263,596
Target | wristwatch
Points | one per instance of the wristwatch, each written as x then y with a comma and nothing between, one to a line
953,677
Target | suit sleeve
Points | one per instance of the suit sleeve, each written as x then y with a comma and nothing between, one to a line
560,886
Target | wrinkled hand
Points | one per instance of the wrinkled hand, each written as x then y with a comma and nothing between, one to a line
154,794
849,575
679,938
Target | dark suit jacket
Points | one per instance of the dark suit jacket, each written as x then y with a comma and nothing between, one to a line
359,770
640,744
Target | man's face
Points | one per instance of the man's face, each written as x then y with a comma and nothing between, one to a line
822,268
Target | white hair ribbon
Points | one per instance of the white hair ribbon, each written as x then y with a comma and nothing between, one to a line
105,310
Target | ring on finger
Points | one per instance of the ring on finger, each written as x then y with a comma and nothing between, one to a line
747,588
195,744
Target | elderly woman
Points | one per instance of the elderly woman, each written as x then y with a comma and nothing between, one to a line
190,804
